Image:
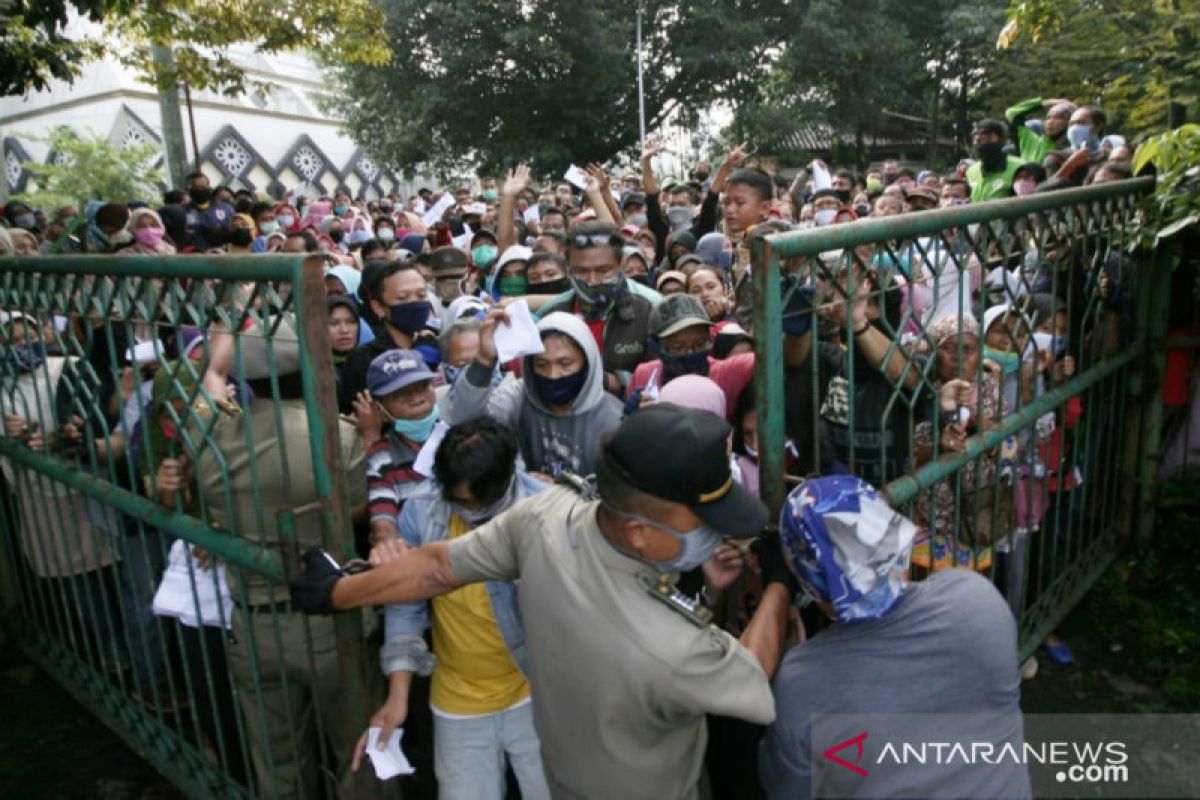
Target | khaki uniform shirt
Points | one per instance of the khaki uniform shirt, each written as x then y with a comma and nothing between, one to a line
259,464
621,682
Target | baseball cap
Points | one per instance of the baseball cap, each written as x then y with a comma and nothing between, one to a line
670,275
516,252
690,466
448,262
729,337
633,199
676,312
392,371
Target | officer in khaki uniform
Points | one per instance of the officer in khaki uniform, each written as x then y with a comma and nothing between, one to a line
256,468
623,670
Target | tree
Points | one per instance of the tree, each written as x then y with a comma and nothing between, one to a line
486,83
90,167
34,46
1136,58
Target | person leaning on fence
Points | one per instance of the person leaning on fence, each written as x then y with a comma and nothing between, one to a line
255,465
622,673
480,695
951,636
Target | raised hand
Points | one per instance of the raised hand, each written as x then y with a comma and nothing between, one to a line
487,335
517,180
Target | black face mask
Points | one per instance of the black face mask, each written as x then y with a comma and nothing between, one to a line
889,178
843,195
200,195
557,286
991,155
337,235
240,236
644,280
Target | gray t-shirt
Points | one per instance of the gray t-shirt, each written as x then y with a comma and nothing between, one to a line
621,683
948,647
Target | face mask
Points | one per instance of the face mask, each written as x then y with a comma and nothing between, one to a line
843,195
340,209
484,256
267,228
409,317
479,516
149,237
1080,136
556,286
693,363
200,196
358,237
889,178
695,546
599,295
992,156
644,280
701,177
1059,345
451,373
863,210
417,430
954,201
240,237
680,217
27,357
490,195
68,222
26,221
558,392
337,234
825,216
1024,186
286,221
386,235
873,184
1009,362
513,286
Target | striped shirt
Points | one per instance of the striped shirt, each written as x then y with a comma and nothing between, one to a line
391,478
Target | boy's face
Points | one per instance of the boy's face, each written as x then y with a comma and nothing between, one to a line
743,208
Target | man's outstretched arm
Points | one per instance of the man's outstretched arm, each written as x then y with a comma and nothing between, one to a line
416,574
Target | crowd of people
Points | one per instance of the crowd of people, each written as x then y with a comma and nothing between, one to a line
557,652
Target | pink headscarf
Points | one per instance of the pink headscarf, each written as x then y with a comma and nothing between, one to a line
695,391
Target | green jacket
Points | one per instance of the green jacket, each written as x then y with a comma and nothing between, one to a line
1033,146
993,184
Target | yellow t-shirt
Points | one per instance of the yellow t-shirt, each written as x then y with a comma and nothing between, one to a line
475,673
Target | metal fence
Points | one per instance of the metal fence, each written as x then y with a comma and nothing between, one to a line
131,454
1000,377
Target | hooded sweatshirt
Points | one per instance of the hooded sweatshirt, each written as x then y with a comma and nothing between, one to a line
549,443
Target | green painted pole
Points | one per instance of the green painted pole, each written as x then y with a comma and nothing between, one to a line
229,548
906,487
770,402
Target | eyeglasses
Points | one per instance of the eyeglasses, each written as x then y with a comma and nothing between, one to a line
585,240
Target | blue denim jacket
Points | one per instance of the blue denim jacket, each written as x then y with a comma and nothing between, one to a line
426,518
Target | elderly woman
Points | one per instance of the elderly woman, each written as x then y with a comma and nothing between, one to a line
24,243
970,401
149,235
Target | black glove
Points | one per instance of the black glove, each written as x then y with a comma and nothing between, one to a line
769,551
797,306
312,592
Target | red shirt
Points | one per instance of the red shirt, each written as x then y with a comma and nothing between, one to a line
731,375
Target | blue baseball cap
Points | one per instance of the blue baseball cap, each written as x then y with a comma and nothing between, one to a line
396,369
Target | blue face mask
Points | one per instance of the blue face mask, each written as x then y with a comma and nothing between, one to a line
358,237
558,392
1009,362
451,373
1081,136
27,357
429,353
484,256
695,546
409,317
340,209
417,430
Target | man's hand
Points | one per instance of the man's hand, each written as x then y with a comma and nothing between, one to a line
312,591
954,394
597,171
368,419
173,474
768,550
736,156
487,336
386,544
653,147
723,568
517,180
391,715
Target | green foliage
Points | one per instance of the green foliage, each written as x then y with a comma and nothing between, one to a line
1136,58
487,82
201,33
1175,203
91,168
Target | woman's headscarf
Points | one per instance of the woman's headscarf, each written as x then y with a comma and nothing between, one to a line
949,326
164,248
18,235
694,391
316,212
6,245
711,248
349,276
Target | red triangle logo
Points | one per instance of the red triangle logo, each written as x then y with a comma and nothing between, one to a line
857,742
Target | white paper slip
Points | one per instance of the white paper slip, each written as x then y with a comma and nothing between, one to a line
142,353
390,761
532,215
576,177
820,176
434,215
175,596
651,389
464,241
424,463
520,337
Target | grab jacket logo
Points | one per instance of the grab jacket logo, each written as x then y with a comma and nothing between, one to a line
857,742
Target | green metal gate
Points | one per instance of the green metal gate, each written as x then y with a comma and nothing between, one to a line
1039,493
99,387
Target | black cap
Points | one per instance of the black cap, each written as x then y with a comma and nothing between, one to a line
448,262
681,455
633,199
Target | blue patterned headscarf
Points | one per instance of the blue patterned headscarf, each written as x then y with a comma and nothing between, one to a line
846,545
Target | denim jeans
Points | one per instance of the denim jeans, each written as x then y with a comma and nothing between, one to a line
468,755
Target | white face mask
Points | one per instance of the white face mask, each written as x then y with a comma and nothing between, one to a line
825,216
